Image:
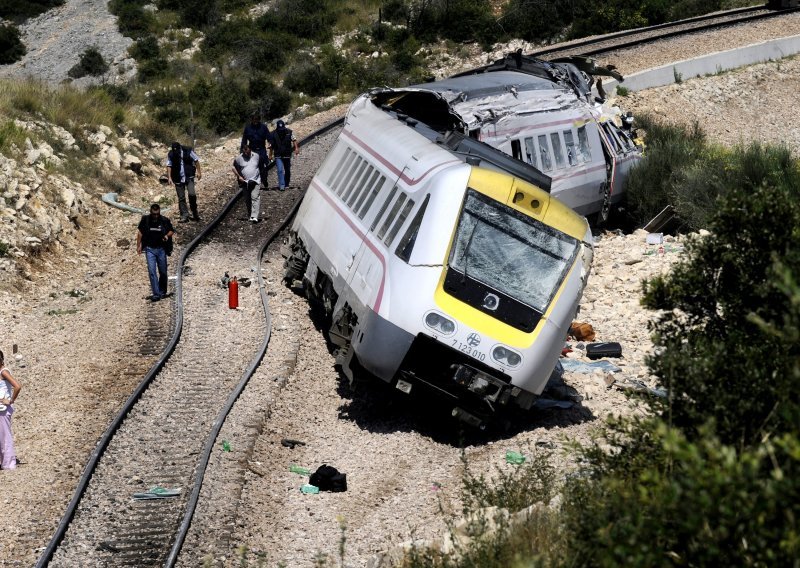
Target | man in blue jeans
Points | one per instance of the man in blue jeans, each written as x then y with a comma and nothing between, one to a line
281,147
154,239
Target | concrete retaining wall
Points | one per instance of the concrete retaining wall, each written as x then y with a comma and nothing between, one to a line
708,64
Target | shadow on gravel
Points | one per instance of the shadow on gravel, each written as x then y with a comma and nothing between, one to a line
379,408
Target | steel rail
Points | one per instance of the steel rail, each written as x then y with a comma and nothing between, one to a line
676,33
627,33
105,440
211,441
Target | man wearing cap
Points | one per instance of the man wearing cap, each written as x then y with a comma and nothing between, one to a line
182,165
257,135
283,142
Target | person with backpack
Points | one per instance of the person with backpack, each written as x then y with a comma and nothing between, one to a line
154,238
248,175
257,136
182,167
283,142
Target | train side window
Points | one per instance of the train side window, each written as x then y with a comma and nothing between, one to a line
406,244
338,167
544,154
401,219
572,151
383,208
373,173
358,183
352,178
349,176
583,145
612,138
344,168
530,151
392,215
558,150
516,150
373,194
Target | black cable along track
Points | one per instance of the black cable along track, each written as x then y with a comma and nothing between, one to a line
105,439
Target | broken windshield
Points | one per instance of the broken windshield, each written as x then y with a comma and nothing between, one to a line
510,252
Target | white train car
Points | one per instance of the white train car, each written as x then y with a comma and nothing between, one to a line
438,268
540,113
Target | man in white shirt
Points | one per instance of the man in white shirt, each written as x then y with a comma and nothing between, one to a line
248,174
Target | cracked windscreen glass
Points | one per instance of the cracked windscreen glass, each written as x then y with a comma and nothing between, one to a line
510,252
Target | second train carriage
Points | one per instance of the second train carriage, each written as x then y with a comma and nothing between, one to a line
438,268
540,113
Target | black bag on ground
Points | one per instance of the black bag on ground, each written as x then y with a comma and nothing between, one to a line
606,349
328,478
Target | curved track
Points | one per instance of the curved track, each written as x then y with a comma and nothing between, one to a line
632,38
167,428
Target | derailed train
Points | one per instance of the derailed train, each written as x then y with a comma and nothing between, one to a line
542,113
442,263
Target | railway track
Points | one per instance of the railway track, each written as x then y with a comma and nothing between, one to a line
165,432
632,38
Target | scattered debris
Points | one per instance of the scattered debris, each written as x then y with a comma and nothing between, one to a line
157,493
309,489
299,469
575,366
636,385
226,446
515,458
328,478
604,349
289,443
655,238
582,331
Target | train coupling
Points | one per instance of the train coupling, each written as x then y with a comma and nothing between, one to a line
482,384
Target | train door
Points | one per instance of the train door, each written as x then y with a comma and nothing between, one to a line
621,154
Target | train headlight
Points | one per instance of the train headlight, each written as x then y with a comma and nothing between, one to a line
506,356
440,324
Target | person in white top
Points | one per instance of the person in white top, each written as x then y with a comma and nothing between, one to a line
248,174
9,391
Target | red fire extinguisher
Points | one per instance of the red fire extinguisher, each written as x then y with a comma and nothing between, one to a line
233,293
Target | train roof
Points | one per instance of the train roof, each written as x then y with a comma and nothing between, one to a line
466,102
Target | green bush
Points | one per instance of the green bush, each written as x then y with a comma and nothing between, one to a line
307,19
226,109
671,151
272,101
91,63
534,20
145,48
132,19
717,354
698,503
11,47
152,69
310,79
18,11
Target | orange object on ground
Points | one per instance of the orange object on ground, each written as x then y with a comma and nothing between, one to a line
582,331
233,293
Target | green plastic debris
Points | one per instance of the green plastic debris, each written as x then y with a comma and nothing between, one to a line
226,446
299,469
309,489
515,457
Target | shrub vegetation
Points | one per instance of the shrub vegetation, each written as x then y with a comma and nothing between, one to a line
11,46
91,63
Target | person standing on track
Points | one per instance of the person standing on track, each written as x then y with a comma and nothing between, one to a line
258,137
182,166
154,238
9,391
283,142
248,174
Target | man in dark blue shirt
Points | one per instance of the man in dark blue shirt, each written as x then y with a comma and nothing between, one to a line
258,137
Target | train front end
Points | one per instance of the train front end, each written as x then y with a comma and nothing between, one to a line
515,266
